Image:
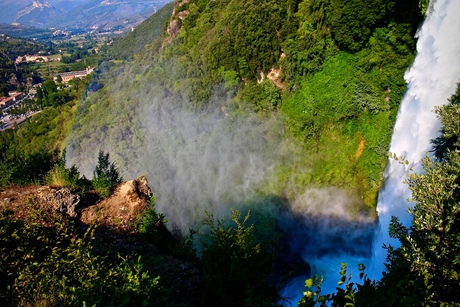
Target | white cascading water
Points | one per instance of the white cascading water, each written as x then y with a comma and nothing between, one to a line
431,81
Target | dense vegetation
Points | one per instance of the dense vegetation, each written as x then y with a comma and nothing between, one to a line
54,266
26,32
15,76
150,30
26,154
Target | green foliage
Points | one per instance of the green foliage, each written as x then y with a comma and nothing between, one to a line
27,154
105,175
424,4
308,47
102,185
60,176
312,296
352,22
149,223
152,226
106,169
7,173
262,97
432,243
57,266
343,117
236,270
28,169
450,131
143,35
15,47
348,293
15,76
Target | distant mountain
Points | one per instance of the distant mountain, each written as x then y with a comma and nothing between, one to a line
37,14
66,5
107,15
99,15
9,9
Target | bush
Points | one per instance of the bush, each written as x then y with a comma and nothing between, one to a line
102,185
56,266
236,270
148,223
153,226
105,175
60,176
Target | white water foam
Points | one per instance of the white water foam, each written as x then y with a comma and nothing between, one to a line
431,81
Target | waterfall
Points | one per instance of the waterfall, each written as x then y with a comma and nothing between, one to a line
431,81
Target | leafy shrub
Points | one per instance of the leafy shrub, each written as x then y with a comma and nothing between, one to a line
236,270
102,185
105,175
148,223
153,226
55,266
60,176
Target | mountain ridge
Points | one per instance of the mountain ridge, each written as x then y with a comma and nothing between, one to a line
87,15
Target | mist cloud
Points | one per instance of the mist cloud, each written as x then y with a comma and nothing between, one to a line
195,160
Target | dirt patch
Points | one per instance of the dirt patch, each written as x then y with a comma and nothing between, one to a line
361,147
275,76
122,209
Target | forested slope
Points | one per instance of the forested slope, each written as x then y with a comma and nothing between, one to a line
325,78
146,33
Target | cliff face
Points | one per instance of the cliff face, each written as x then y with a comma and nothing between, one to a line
174,25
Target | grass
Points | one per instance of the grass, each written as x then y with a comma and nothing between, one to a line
345,143
60,177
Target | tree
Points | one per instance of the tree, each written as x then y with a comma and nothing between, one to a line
107,169
450,131
236,270
105,175
430,246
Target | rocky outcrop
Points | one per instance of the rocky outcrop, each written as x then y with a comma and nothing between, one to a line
178,15
121,210
37,14
36,5
61,200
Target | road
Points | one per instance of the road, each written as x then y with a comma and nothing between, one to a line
9,121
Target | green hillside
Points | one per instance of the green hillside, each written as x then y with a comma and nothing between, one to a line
144,34
329,74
